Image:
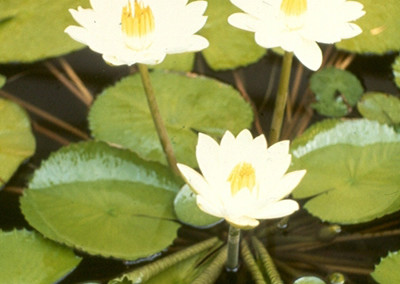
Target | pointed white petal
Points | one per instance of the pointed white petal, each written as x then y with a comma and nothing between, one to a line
242,222
207,153
196,181
309,54
209,206
287,184
277,210
243,21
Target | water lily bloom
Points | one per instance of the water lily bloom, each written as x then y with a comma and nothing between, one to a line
242,180
139,31
296,25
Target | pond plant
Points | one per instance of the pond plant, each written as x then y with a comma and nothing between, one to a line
179,177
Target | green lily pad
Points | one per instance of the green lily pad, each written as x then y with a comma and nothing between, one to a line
351,184
380,26
29,31
380,107
104,201
396,71
336,91
26,257
357,132
187,104
387,271
189,213
177,62
309,280
229,47
17,142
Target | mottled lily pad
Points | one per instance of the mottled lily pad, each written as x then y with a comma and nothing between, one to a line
188,105
336,91
380,26
29,31
387,271
17,142
104,201
26,257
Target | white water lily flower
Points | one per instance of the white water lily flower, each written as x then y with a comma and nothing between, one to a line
140,31
242,179
296,25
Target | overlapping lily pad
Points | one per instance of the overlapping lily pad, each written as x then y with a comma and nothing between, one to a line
104,201
387,271
29,31
26,257
187,104
380,26
380,107
336,91
352,172
17,142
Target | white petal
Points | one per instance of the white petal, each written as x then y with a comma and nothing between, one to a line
211,207
243,21
78,33
207,153
309,54
277,210
242,221
255,8
196,181
287,184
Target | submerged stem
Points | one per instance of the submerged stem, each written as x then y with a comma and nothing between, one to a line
281,98
232,262
158,122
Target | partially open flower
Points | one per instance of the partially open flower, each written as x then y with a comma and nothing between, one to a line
242,179
296,25
140,31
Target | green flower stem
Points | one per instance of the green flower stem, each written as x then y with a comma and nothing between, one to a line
144,273
232,262
158,122
251,263
267,262
281,98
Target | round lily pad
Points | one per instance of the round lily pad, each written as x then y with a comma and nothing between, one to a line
17,142
229,47
350,184
380,26
358,132
387,271
336,91
26,257
104,201
29,31
380,107
189,213
309,280
188,105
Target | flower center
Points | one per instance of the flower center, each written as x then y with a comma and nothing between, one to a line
293,11
137,25
243,175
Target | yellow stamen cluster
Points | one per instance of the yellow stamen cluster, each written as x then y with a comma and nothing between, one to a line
138,24
293,8
242,176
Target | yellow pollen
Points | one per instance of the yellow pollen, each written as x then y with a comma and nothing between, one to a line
293,8
138,24
243,175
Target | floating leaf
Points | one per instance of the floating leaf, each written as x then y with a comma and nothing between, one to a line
177,62
380,26
103,201
17,142
187,104
31,32
358,132
336,91
189,213
229,47
26,257
351,184
387,271
380,107
396,71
